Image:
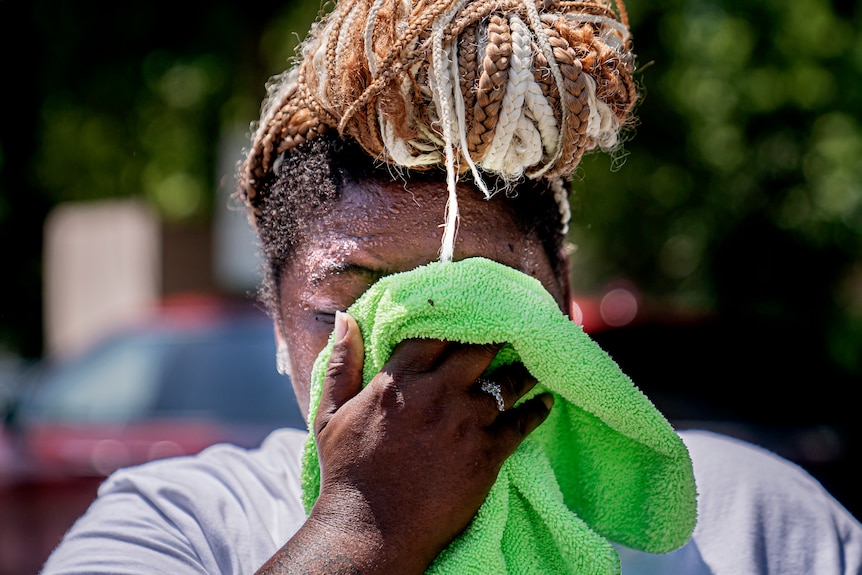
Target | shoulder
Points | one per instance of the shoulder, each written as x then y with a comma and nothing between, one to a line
225,510
757,514
220,472
730,472
760,513
277,459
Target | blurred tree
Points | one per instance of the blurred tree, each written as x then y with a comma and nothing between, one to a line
152,88
740,187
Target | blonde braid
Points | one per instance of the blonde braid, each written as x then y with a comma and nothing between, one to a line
512,88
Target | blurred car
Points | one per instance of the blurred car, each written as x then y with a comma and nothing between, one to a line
199,373
192,375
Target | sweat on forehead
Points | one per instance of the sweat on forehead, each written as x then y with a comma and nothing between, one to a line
311,178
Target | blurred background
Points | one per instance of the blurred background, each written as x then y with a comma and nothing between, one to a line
717,255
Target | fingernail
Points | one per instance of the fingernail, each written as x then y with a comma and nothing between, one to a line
340,326
548,400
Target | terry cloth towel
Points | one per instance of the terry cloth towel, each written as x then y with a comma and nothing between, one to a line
605,465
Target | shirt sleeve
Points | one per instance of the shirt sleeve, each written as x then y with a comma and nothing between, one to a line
759,513
226,510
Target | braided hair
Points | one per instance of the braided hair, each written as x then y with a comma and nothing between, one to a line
500,92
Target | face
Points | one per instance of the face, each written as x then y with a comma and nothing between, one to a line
381,228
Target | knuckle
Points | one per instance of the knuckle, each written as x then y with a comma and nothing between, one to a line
509,387
387,394
515,380
320,424
335,368
390,395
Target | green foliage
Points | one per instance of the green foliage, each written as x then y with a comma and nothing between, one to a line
157,143
748,136
150,125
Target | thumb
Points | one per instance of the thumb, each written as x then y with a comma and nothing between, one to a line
343,378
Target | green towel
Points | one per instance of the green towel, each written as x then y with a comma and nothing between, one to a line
605,466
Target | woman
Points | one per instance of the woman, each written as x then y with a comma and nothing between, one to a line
407,134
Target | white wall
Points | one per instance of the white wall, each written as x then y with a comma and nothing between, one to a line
101,268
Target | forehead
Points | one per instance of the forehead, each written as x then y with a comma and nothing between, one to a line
392,226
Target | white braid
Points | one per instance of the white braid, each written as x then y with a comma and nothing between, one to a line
526,146
400,151
433,140
602,126
513,100
540,111
443,95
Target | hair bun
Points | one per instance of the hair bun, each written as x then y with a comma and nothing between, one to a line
509,87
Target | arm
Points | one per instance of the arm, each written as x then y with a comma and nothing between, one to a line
407,461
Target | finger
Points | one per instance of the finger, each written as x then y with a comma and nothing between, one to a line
465,362
490,400
514,425
343,379
514,381
416,356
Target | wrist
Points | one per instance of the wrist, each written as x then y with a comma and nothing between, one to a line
363,537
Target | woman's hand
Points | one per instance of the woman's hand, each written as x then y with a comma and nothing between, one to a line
414,454
407,461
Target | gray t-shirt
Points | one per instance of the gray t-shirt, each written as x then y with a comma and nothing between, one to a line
227,510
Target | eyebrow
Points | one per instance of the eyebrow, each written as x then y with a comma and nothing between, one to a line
368,274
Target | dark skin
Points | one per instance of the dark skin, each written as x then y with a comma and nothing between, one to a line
407,461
